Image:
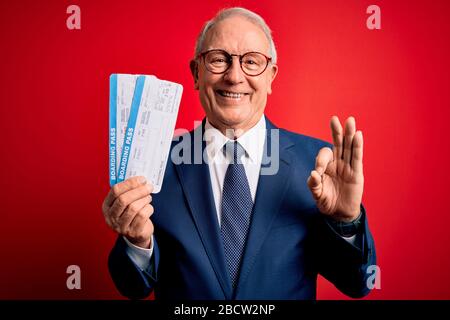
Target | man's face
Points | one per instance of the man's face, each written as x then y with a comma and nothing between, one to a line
236,35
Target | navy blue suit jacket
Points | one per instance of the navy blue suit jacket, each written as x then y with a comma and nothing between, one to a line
289,241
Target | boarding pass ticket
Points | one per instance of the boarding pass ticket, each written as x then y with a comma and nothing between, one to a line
142,115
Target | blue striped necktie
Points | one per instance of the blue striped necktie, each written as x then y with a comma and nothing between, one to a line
237,206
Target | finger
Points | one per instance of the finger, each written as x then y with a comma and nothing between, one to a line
108,220
315,184
323,158
336,132
132,210
123,187
147,211
141,218
121,202
350,128
357,152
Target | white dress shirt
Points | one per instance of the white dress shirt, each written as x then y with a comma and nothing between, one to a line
253,143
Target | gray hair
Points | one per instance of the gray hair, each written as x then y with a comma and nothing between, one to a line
237,11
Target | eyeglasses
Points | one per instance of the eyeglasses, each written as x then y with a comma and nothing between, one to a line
218,61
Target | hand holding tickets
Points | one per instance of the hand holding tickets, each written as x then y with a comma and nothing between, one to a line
143,112
127,210
142,115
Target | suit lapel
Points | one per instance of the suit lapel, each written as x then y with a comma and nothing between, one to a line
269,196
196,184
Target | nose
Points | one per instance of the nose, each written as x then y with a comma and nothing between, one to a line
234,74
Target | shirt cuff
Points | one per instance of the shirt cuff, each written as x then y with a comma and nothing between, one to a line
351,239
140,256
347,229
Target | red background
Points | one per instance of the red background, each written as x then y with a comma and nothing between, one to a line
54,122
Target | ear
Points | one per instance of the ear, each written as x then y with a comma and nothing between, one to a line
273,73
193,65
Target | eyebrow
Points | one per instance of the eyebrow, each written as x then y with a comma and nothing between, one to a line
245,51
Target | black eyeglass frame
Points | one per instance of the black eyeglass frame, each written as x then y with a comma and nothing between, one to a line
230,58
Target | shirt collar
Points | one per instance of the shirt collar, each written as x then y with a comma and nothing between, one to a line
252,140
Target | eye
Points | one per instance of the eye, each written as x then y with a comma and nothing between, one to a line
218,60
251,62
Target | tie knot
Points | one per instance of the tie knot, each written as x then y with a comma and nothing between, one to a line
234,150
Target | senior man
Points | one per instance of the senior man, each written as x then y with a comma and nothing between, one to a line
222,229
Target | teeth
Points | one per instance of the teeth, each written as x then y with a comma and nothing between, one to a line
231,94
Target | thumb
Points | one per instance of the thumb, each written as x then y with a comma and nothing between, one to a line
324,157
315,184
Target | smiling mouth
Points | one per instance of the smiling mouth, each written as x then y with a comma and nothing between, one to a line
231,95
